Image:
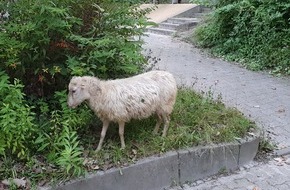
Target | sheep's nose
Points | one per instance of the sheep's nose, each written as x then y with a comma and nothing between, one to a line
70,105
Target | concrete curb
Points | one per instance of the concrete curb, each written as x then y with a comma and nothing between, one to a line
175,167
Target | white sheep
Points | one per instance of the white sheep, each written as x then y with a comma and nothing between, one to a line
121,100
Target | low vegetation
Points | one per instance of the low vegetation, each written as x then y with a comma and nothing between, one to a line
195,121
252,32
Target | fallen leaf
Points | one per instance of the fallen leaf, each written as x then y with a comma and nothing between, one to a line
252,134
96,167
42,183
281,161
120,170
134,151
86,161
278,159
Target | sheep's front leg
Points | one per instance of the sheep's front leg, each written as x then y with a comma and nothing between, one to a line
159,121
121,133
103,134
166,124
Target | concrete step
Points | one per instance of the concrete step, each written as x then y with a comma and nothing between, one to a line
206,9
173,24
187,25
187,17
182,20
167,25
161,31
199,15
162,12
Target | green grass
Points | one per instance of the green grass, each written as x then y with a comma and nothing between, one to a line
195,121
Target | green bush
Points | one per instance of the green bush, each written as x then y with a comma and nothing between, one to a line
45,42
42,45
253,32
17,125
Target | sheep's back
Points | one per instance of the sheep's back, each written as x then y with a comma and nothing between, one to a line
138,97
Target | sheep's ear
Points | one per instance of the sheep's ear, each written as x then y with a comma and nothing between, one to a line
94,88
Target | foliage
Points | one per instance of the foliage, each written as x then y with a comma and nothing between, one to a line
32,45
17,123
70,158
195,121
252,32
58,139
266,146
43,42
112,49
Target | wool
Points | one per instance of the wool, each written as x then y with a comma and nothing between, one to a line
121,100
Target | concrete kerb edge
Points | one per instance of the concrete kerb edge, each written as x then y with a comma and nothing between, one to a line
171,168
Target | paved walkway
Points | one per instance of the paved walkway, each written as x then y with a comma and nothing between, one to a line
162,12
262,97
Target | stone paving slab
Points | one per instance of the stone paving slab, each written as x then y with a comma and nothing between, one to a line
260,96
255,176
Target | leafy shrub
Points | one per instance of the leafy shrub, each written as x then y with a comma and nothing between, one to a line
17,127
57,138
70,158
31,46
45,42
111,49
42,44
250,31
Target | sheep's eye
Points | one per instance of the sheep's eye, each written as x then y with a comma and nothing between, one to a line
73,91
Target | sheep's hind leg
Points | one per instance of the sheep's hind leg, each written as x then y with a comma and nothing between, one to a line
121,134
166,119
159,121
103,134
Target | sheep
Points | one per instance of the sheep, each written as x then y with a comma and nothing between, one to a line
121,100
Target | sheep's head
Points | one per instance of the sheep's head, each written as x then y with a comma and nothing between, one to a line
78,91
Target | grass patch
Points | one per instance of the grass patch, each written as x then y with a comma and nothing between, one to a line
195,121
